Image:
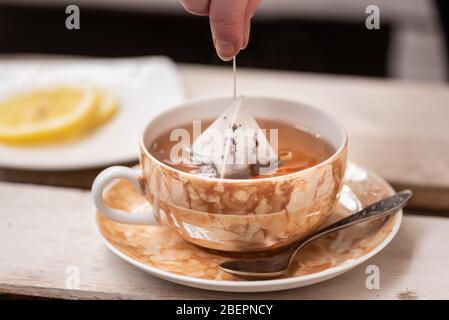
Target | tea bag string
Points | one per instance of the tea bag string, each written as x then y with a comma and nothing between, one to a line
234,70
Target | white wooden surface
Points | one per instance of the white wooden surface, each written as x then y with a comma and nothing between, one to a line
398,129
46,230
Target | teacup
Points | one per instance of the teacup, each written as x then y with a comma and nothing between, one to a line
215,213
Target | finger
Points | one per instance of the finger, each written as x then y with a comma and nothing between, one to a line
246,33
227,23
250,11
198,7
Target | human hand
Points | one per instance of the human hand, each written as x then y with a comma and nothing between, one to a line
230,22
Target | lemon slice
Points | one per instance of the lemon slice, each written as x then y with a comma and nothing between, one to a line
46,114
106,107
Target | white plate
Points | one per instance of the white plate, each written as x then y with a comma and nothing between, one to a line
360,183
144,87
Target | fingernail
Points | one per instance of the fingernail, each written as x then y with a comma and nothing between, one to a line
225,49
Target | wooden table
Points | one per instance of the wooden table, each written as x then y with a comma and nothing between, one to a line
398,129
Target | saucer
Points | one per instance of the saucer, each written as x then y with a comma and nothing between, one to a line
144,87
161,252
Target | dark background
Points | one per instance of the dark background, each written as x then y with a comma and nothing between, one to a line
315,45
288,44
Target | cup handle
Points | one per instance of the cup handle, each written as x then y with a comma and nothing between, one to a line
103,180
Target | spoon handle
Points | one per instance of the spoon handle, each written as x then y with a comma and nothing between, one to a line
378,209
280,263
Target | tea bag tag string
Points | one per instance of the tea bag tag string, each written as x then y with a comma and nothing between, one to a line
234,71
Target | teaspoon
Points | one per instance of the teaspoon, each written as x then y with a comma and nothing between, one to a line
278,264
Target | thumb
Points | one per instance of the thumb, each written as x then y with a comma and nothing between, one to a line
227,20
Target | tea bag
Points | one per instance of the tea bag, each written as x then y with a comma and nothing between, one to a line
234,146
